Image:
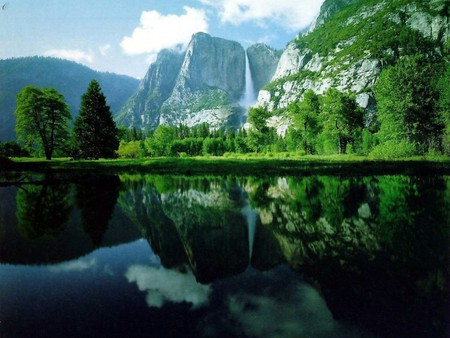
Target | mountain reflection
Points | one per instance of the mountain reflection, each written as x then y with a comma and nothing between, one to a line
370,245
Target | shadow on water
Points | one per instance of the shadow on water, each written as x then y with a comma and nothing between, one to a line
374,247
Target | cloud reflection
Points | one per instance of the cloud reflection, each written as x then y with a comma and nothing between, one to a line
297,310
162,285
78,265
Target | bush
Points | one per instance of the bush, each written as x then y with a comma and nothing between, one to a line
129,149
12,149
393,149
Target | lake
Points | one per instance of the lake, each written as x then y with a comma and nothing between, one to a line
137,255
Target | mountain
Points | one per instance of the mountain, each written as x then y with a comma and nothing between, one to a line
263,62
203,84
348,46
142,109
69,78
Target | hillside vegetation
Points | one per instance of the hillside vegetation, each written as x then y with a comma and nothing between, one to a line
68,78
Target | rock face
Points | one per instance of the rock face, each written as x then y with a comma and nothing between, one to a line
202,84
142,109
210,82
327,10
263,62
351,61
206,83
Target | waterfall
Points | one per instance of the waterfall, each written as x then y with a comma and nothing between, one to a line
251,217
249,97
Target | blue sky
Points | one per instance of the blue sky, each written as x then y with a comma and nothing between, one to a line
125,36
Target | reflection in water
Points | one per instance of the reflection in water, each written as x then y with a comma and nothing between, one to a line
96,198
163,285
251,216
42,209
374,249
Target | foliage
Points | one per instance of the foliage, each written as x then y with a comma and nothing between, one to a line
42,119
191,146
258,118
130,134
341,122
407,104
443,105
12,149
95,132
132,149
392,149
305,116
42,211
68,78
159,144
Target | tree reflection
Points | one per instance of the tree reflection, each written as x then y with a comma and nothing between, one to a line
43,209
372,244
96,197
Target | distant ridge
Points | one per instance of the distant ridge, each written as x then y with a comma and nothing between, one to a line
69,78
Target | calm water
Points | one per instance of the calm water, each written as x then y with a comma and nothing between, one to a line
159,256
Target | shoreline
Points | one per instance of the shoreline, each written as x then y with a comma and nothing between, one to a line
333,165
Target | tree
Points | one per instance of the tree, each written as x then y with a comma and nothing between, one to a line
341,121
42,118
95,131
406,103
305,117
159,144
444,105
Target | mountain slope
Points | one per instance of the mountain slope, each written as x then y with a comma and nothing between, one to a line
69,78
348,49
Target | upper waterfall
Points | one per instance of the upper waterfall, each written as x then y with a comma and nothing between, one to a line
249,97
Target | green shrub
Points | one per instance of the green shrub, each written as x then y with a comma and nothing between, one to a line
129,149
393,149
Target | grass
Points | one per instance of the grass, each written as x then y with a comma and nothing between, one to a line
248,164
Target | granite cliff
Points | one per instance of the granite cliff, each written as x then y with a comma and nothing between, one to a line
206,83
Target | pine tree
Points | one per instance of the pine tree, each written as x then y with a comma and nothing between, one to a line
95,131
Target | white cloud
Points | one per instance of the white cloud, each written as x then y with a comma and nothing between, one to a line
72,54
104,49
291,14
164,285
157,31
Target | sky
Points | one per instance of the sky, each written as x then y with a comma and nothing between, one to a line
125,37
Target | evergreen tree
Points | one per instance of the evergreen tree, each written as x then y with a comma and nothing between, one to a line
42,119
95,131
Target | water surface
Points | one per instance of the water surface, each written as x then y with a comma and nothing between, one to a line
178,256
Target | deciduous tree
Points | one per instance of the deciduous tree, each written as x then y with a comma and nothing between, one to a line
42,118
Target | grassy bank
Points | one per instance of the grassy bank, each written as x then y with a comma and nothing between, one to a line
245,165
